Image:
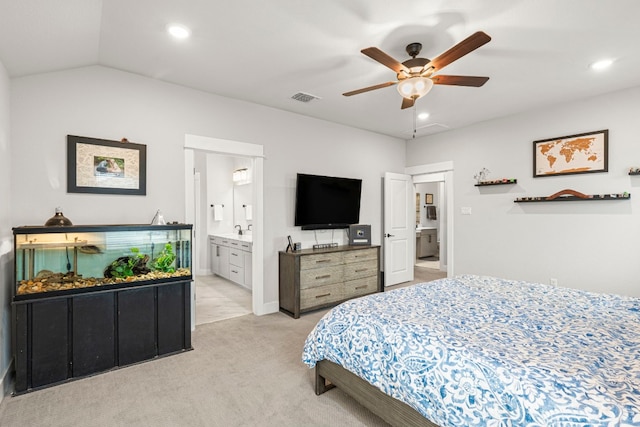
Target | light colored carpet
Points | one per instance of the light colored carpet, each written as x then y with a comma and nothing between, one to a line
244,371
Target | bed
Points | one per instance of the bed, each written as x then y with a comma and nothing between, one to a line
483,351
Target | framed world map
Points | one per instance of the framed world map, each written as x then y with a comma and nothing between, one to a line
565,155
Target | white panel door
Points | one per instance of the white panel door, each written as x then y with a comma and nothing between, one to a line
399,228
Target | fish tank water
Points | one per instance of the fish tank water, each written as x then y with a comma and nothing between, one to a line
67,258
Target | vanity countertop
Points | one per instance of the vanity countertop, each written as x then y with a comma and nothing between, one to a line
425,228
236,236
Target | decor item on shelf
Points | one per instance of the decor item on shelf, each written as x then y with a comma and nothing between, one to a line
158,219
634,171
106,167
566,155
501,181
572,195
58,220
482,175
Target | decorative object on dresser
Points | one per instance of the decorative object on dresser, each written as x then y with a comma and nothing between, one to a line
360,234
312,279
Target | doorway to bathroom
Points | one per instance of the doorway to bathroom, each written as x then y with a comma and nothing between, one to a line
210,164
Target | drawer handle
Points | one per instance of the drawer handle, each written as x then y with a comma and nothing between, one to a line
234,254
326,276
323,295
361,287
322,260
361,270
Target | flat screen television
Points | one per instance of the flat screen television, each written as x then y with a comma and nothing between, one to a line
325,202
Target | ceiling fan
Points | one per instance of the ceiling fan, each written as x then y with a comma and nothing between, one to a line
416,76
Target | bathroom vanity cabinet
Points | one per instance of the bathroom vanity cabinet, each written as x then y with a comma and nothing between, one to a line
231,258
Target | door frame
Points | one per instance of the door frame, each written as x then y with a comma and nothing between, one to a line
237,149
446,169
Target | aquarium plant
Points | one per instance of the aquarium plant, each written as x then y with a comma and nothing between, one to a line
164,261
128,265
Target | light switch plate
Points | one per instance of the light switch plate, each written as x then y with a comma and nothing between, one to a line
465,210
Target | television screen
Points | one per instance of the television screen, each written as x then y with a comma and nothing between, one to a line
327,202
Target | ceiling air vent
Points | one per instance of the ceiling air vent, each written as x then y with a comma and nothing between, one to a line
304,97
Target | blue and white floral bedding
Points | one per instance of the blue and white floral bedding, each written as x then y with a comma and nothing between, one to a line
482,351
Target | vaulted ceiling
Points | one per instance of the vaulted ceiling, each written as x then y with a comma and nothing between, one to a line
266,51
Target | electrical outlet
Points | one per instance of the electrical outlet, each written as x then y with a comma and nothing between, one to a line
465,210
553,281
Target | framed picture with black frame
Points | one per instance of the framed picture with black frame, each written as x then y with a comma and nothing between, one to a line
106,167
572,154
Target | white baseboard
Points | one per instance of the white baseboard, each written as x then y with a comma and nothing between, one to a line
271,307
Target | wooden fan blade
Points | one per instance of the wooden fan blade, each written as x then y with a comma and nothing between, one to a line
378,55
367,89
466,46
407,103
459,80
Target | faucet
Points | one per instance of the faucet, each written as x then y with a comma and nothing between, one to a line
249,227
239,229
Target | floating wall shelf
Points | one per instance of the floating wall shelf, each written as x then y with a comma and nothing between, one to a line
634,173
504,181
589,198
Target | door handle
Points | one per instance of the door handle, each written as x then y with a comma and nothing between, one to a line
389,235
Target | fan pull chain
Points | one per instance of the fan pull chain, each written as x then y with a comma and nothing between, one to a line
414,120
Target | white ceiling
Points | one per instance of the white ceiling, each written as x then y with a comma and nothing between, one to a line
266,51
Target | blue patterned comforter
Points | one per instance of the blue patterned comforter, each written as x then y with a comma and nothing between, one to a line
481,351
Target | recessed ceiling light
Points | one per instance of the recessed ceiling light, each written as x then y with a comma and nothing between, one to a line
178,31
423,116
602,64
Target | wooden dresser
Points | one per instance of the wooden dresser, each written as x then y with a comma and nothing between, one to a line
315,278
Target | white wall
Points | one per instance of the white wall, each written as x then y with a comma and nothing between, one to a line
587,245
6,237
105,103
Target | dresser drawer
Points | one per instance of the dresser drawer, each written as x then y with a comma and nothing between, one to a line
360,287
236,257
361,269
321,276
321,260
320,295
360,255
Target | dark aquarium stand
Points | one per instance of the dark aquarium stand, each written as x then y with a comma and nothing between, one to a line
70,321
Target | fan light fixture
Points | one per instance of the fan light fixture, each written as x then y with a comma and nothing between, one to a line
415,87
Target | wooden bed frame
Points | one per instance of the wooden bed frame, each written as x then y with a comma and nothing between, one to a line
391,410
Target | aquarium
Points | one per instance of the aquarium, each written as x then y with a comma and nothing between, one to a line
67,259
